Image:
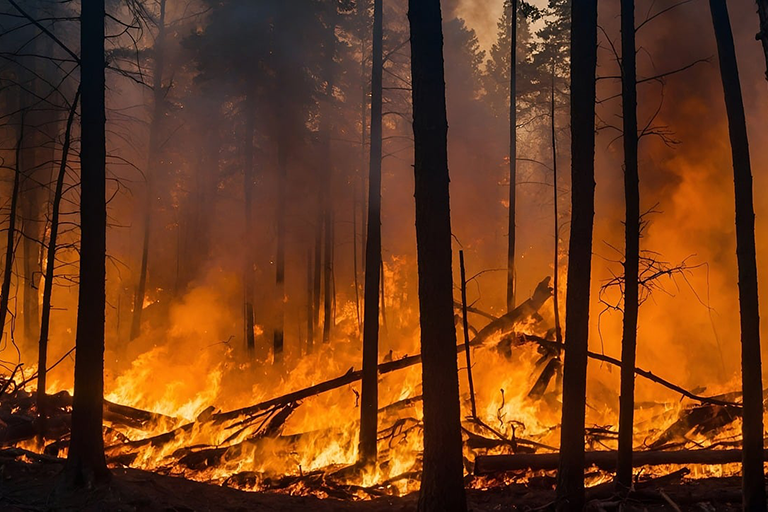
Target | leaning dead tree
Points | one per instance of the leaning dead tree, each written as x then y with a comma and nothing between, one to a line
751,368
442,483
570,478
369,397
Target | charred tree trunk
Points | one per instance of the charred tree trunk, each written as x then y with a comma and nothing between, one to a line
442,480
762,36
556,213
570,477
250,256
152,165
512,228
751,369
10,241
282,178
370,393
85,464
50,269
310,301
30,223
631,246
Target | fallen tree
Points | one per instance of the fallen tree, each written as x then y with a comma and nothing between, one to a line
490,464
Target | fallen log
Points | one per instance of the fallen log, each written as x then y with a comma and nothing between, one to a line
490,464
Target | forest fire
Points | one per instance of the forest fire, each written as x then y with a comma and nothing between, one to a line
431,255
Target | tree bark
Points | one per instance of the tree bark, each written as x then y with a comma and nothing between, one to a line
570,478
442,482
86,464
753,478
631,246
50,269
512,228
372,262
556,213
152,165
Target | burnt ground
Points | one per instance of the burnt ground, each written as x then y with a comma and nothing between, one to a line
31,486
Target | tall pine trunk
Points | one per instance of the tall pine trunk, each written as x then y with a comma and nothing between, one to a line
751,371
555,211
50,268
512,228
278,339
370,398
442,479
250,247
631,245
152,167
86,464
570,477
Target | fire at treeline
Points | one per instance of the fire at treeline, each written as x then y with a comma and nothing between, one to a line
365,249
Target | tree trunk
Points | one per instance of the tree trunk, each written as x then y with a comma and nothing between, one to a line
370,393
512,228
10,241
85,464
570,478
282,178
556,213
50,268
152,165
751,371
762,36
442,482
631,246
250,249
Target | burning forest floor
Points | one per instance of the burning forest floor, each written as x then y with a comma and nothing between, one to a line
298,449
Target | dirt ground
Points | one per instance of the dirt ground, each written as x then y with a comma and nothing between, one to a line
26,486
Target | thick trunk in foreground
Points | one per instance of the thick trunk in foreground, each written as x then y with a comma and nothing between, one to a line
152,166
85,461
442,482
631,245
512,229
370,398
50,269
570,477
751,371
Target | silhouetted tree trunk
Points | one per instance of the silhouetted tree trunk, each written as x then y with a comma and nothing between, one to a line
86,464
370,393
152,167
631,245
762,36
751,369
556,212
512,228
442,480
250,249
50,269
570,477
10,241
282,178
330,53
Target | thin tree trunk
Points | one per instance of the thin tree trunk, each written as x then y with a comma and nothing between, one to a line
310,304
86,464
282,178
152,165
465,325
369,402
751,371
31,232
50,268
442,479
355,265
512,228
631,244
10,241
318,274
250,256
570,477
762,36
556,212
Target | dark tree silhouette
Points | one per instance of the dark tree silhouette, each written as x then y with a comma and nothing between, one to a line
751,370
632,244
10,241
370,399
86,464
570,478
762,36
512,228
442,483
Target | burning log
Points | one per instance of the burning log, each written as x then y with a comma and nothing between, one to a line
490,464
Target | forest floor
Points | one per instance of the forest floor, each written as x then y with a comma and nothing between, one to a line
31,486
